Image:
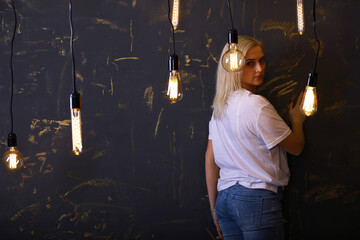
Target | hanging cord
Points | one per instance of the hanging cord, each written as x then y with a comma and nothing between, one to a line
71,46
231,18
11,68
172,26
317,40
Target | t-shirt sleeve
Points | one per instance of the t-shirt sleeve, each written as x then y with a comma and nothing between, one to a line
271,127
211,123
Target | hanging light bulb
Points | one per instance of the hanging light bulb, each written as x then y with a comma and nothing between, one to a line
75,104
233,59
175,13
12,159
300,16
308,104
174,91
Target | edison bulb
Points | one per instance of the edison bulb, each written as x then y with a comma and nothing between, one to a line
233,60
13,159
76,130
300,16
175,13
174,91
308,105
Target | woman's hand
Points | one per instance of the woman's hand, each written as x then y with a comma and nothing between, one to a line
218,229
295,116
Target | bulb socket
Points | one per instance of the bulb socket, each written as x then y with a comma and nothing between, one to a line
75,100
233,36
12,140
174,63
312,79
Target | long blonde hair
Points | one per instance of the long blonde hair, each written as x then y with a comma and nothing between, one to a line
226,82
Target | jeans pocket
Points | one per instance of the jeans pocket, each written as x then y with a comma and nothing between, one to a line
247,211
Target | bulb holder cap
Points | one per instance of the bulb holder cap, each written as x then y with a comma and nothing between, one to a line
233,36
312,79
75,100
12,140
174,63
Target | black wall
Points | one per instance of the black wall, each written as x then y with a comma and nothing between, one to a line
141,175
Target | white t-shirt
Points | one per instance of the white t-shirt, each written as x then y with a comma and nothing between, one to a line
245,143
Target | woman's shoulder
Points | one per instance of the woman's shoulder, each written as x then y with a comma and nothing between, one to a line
251,98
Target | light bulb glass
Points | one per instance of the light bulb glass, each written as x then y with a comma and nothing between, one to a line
174,91
175,13
308,105
76,130
300,16
233,59
13,159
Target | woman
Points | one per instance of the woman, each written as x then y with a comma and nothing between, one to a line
245,161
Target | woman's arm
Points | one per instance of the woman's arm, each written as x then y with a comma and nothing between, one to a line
295,142
212,176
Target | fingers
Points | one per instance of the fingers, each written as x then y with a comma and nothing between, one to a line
299,98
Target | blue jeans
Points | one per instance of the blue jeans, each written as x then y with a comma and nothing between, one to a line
250,214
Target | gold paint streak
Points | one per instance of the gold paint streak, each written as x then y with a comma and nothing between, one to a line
281,86
287,89
149,97
192,131
131,35
79,76
158,122
32,139
265,85
325,193
196,60
98,155
210,234
126,58
208,14
133,3
187,60
107,60
286,27
314,45
34,209
45,130
123,3
122,106
98,85
34,191
95,182
109,23
112,86
94,72
208,44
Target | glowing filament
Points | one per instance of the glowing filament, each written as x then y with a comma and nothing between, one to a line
12,161
309,103
175,13
174,90
76,130
300,16
233,61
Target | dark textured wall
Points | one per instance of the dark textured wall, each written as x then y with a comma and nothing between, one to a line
141,175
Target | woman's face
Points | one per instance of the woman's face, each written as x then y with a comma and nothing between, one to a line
254,69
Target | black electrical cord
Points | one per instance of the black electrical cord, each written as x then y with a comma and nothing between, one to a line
11,68
231,18
317,40
172,26
71,46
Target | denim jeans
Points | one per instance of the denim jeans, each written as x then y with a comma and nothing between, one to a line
250,214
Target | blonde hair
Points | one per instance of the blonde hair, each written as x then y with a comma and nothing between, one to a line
226,82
